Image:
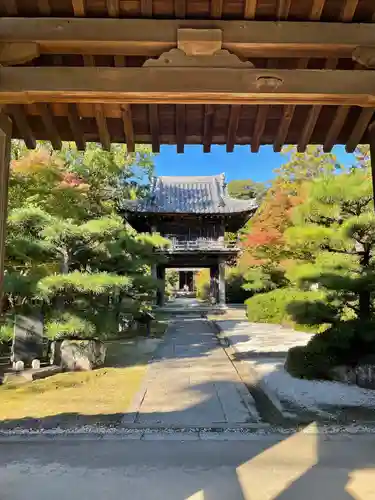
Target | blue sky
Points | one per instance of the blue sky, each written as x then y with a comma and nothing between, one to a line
241,164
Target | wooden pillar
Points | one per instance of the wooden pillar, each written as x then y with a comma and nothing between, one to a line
371,133
214,282
160,296
5,144
222,296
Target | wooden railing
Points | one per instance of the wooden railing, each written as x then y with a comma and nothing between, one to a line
199,244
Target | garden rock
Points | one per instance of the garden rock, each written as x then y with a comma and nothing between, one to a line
362,375
343,373
79,355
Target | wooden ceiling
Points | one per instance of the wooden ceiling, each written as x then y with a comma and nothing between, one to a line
338,113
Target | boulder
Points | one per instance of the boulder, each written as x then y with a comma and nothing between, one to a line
78,355
343,373
365,375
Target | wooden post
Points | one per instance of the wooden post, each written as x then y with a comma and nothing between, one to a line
371,133
214,279
5,138
222,297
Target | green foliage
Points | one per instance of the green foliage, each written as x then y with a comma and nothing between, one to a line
202,283
235,292
272,307
264,278
68,252
68,326
246,189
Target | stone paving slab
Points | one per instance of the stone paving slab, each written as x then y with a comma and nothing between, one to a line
191,382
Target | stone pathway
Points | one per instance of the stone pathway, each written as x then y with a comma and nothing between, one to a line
192,382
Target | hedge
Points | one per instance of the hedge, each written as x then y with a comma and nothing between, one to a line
272,307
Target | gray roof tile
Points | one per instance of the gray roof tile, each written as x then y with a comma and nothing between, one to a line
190,194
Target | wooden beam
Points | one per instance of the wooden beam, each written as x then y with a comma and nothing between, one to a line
154,127
128,127
283,8
146,8
76,128
44,7
283,129
260,123
234,118
180,127
335,128
79,7
359,129
348,10
20,118
113,7
154,85
209,113
250,9
10,7
216,9
151,37
101,122
49,124
317,9
180,9
5,146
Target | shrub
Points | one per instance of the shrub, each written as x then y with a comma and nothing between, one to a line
343,344
202,283
234,288
272,307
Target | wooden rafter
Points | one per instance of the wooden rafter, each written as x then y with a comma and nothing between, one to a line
317,9
180,9
234,118
154,85
150,37
209,114
216,9
49,124
287,117
113,7
308,128
359,129
10,7
128,127
101,122
20,118
335,128
146,8
154,127
180,127
79,7
250,9
76,128
44,7
348,10
259,126
282,133
283,8
312,117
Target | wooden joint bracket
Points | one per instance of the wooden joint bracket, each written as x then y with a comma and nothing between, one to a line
199,42
364,56
198,48
12,53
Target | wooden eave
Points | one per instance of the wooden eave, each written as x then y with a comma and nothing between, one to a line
85,79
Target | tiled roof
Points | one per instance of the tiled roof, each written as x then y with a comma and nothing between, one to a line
190,194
